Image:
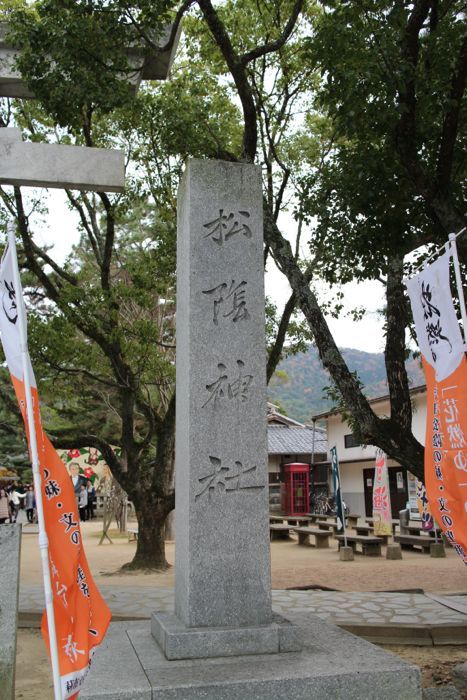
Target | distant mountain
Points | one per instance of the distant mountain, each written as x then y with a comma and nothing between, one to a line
300,379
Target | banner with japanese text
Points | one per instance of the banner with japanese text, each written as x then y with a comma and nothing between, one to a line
382,524
336,478
81,614
424,507
445,367
446,454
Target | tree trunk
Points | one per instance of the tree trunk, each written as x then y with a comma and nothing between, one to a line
151,513
385,433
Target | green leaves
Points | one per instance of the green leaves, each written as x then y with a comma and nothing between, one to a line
366,199
75,55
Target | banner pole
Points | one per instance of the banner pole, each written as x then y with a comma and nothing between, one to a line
43,540
460,291
342,506
338,489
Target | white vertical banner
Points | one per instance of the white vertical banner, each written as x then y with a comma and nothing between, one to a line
436,324
445,367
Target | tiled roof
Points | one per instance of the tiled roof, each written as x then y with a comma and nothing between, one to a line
283,440
275,417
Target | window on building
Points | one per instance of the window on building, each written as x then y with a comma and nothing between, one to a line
350,440
320,474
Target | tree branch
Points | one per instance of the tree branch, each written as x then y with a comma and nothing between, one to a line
10,403
85,224
64,440
238,72
83,372
176,23
372,429
276,351
451,120
109,242
278,43
394,353
406,129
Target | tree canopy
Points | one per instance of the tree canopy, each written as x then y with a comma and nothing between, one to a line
354,112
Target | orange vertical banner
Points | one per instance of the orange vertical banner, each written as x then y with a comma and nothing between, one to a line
446,454
81,614
445,366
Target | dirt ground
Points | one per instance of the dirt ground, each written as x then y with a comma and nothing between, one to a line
436,663
292,566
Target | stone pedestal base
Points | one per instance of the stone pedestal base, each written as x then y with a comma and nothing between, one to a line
180,642
394,551
437,550
332,664
346,554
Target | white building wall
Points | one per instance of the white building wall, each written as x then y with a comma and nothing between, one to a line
352,485
353,460
337,429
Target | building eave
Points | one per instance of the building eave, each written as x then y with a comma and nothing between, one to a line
377,399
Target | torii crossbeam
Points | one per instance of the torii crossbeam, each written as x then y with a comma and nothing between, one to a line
53,165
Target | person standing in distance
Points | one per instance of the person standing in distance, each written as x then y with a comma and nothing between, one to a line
76,478
83,502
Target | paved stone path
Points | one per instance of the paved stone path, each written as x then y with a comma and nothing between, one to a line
390,617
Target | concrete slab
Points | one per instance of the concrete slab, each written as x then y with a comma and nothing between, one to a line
332,664
117,672
53,165
392,634
178,641
10,546
449,634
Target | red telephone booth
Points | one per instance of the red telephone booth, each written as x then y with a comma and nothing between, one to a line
296,489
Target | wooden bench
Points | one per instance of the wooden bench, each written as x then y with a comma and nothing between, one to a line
418,530
395,523
415,541
365,530
297,520
321,536
279,531
371,546
276,519
314,516
327,525
352,519
132,533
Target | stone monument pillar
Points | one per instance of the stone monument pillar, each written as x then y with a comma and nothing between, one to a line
222,564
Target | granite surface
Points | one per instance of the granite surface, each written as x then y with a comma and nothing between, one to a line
332,664
222,565
181,642
52,165
10,546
